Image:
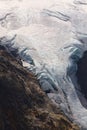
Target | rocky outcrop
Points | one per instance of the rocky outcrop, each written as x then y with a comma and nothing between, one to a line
23,105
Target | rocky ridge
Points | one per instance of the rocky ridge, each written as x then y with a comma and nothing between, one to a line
23,105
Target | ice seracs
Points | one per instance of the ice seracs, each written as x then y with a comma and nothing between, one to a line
50,37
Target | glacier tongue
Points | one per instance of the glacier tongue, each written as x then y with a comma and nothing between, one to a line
50,37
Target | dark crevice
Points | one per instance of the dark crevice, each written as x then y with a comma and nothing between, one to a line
82,74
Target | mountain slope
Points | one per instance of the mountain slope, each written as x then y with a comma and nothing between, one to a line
23,105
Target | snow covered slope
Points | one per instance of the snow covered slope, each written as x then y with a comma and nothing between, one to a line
50,36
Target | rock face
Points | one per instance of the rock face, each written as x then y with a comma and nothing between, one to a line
23,105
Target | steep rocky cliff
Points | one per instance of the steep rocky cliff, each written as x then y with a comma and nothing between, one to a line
23,105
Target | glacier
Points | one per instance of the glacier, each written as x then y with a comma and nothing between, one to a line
49,37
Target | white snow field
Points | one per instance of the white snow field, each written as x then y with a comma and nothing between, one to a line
51,36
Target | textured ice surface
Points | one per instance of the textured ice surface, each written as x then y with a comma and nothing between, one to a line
50,36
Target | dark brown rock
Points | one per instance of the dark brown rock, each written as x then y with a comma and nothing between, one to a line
23,105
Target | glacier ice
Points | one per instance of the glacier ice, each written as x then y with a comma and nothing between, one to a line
50,37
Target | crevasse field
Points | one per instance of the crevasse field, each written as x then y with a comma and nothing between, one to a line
50,37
